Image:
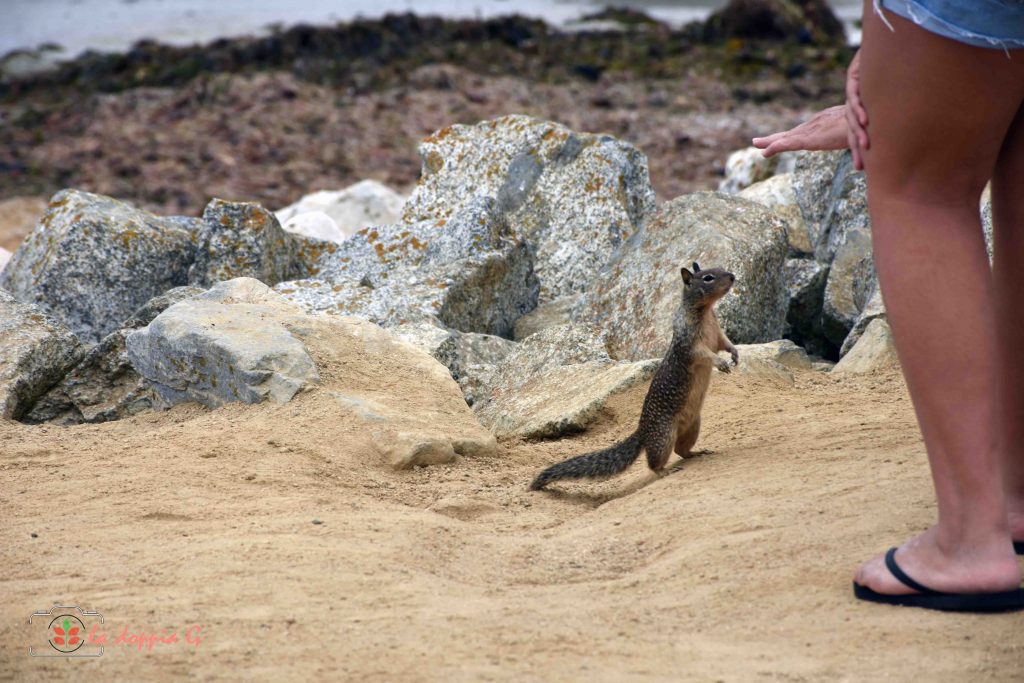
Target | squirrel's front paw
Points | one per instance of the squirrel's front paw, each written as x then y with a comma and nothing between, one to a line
735,356
722,365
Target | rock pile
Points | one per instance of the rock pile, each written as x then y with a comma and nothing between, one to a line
829,272
530,276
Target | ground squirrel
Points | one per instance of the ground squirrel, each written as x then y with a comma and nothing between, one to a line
670,419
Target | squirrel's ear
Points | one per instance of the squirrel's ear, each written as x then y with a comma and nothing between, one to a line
687,275
696,268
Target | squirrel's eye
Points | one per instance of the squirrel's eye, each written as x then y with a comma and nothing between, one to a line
708,278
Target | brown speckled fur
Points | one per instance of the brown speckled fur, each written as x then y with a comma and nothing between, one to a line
670,419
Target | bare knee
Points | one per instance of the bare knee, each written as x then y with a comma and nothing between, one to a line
906,182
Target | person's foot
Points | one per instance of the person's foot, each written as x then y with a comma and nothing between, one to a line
983,568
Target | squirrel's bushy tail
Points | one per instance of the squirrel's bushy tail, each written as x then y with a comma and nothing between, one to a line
603,463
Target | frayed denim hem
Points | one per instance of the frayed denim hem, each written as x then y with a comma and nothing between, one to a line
930,21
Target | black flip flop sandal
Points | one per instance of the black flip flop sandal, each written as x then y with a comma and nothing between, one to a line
927,598
1018,547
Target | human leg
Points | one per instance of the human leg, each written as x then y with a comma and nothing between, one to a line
1008,271
939,111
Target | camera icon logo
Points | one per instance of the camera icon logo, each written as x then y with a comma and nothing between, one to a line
65,632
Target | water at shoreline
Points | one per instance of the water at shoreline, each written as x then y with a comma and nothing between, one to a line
114,25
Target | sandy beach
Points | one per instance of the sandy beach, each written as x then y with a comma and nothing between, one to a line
735,567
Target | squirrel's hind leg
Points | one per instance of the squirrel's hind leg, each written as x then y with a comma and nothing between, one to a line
687,438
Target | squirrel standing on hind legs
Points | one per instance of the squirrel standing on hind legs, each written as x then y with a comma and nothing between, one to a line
670,419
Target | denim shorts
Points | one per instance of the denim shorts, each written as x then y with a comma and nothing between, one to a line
996,24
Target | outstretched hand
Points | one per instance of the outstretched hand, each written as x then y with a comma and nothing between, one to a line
825,130
840,127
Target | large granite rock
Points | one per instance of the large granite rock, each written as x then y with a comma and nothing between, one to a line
470,271
364,204
634,298
103,385
35,352
576,196
240,341
240,239
92,261
556,382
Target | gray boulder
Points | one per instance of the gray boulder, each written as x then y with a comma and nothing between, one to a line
231,343
781,351
306,255
92,260
35,352
575,196
556,382
635,297
242,342
470,271
563,401
104,386
240,239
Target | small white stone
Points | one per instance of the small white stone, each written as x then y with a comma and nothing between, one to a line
366,203
315,224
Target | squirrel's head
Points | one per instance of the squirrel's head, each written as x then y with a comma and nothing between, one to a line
702,288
